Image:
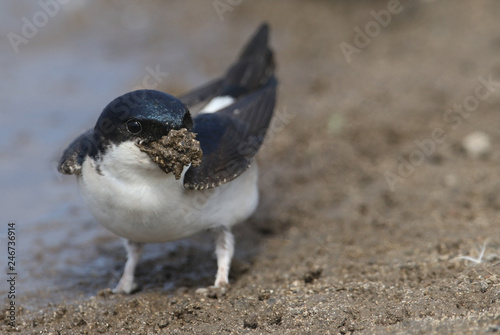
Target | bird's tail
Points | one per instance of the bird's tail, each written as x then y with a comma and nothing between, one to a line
254,67
251,71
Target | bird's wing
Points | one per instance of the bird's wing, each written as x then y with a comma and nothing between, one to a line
252,69
72,158
231,137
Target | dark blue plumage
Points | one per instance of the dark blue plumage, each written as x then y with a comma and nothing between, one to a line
155,112
231,138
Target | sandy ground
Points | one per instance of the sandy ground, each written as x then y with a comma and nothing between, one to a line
368,197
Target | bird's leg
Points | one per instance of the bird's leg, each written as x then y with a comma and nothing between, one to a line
224,250
126,283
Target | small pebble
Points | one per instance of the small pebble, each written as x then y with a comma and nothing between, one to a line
476,144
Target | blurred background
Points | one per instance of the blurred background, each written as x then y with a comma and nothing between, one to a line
361,82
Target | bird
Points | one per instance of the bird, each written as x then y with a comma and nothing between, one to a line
150,171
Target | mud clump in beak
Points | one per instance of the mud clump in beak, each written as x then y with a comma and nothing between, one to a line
174,151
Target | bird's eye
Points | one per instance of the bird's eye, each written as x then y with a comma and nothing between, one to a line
134,127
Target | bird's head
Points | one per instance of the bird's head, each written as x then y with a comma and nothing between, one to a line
157,123
142,116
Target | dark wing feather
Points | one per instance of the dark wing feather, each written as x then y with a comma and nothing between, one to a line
230,138
72,158
253,69
254,66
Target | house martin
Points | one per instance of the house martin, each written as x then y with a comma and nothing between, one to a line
150,172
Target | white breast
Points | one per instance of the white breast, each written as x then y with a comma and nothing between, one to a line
132,197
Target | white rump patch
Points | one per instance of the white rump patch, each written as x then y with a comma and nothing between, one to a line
217,103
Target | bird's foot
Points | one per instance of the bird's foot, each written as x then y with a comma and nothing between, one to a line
125,285
214,292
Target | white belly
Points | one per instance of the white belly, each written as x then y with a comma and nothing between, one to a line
134,199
